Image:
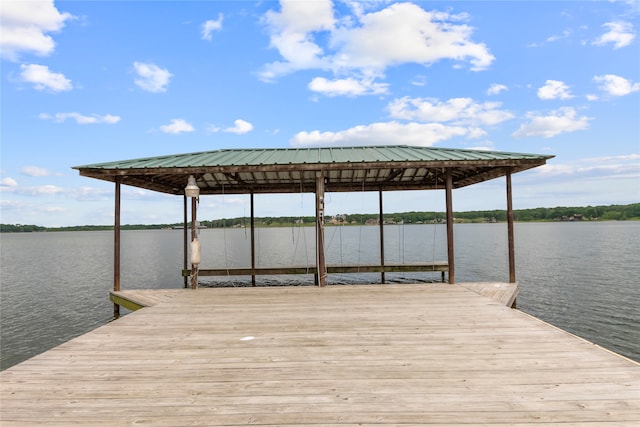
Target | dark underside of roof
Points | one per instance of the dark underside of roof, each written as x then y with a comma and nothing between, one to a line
414,171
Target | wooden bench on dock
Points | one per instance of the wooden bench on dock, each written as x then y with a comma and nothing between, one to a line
441,266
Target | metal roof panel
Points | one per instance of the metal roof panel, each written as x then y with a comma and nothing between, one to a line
280,156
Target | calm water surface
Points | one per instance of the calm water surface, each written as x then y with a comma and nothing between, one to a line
582,277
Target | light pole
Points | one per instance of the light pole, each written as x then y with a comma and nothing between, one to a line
192,190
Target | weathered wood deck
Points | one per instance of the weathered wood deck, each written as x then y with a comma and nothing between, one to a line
342,355
135,299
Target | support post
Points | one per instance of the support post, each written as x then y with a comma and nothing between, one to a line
194,231
185,262
450,249
116,246
381,221
253,245
512,255
320,258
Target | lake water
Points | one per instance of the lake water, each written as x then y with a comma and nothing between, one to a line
582,277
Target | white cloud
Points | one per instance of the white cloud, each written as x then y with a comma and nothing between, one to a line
91,194
42,190
559,121
381,134
24,26
151,77
34,171
241,127
625,157
176,126
609,167
43,79
456,110
616,85
566,33
496,88
210,26
347,87
365,44
620,33
80,118
291,30
8,182
554,38
406,33
554,89
419,81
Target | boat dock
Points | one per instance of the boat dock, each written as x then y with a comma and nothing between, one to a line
410,354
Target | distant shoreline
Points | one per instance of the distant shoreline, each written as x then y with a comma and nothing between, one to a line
630,212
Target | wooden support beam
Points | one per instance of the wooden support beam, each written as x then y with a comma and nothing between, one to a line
320,256
185,240
382,278
450,248
194,236
253,244
438,266
116,245
512,254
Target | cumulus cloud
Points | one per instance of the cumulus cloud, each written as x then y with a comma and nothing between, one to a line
459,111
43,79
406,33
8,182
176,126
610,167
240,127
429,121
41,190
151,78
307,36
615,85
210,26
34,171
347,87
496,88
554,89
620,33
291,34
421,134
24,26
81,119
563,120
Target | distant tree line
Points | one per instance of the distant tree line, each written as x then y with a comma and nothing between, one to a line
588,213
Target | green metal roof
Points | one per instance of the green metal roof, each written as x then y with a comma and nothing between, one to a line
264,170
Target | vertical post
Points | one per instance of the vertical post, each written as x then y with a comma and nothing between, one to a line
253,245
185,263
320,258
381,221
512,255
194,236
116,246
450,249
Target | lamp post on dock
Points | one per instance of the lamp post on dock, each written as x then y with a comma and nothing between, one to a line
192,190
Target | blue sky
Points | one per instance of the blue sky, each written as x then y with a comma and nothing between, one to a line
86,82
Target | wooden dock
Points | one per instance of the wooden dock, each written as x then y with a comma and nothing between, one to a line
418,354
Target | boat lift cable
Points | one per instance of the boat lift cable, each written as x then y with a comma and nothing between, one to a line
296,239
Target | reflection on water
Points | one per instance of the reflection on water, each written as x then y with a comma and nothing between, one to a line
582,277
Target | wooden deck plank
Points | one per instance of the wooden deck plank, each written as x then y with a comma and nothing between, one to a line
342,355
502,293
